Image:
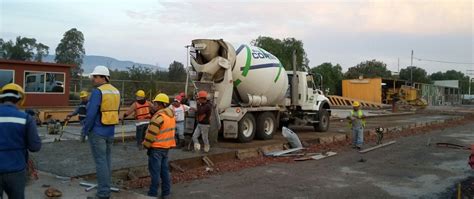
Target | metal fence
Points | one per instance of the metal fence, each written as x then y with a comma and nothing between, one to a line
128,88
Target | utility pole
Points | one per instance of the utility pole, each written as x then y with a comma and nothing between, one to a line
411,69
469,73
398,66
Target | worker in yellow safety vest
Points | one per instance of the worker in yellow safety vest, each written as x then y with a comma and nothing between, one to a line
159,139
142,109
357,124
80,110
102,114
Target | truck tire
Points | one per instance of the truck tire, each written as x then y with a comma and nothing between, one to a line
323,124
247,128
266,126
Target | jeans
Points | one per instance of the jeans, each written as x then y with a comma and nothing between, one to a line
180,130
158,167
13,184
140,134
201,129
357,136
101,147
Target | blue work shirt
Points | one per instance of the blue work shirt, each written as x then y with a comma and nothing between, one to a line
18,134
93,123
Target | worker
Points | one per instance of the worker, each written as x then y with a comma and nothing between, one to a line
357,124
159,139
395,99
204,109
101,117
179,110
184,99
80,110
18,135
142,110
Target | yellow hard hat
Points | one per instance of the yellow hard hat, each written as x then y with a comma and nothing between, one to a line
13,87
140,93
356,104
162,98
83,94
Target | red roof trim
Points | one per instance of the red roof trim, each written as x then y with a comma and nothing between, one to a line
6,61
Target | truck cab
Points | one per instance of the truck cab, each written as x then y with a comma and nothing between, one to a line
308,106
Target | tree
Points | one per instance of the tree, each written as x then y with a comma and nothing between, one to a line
453,75
24,49
71,51
283,50
368,69
419,74
176,72
41,51
332,77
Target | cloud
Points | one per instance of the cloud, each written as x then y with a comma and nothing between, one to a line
401,16
339,31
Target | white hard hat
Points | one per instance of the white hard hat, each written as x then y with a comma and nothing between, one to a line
100,70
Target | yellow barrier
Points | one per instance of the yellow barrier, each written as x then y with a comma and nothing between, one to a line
335,100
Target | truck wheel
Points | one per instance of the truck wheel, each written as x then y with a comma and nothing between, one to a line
266,126
247,128
323,124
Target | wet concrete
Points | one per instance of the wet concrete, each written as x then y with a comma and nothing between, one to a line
72,158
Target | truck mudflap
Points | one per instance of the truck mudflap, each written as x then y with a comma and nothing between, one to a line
231,129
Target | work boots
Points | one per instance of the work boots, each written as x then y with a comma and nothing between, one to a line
197,147
207,147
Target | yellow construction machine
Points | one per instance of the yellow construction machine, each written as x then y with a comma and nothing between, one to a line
405,96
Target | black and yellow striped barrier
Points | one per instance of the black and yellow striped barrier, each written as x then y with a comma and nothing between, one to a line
344,101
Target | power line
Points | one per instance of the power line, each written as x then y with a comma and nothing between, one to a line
446,62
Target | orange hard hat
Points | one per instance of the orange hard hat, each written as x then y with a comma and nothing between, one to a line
202,94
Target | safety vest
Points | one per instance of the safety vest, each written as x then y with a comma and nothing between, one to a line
359,115
82,110
109,107
160,132
142,111
12,139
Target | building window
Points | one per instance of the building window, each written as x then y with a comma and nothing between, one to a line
44,82
6,77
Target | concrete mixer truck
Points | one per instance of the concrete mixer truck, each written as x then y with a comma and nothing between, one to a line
252,93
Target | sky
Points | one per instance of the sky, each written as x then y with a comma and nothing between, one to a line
344,32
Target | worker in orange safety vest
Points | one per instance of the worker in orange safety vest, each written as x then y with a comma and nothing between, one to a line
142,109
159,139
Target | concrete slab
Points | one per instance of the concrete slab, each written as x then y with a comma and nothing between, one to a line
69,189
73,132
72,158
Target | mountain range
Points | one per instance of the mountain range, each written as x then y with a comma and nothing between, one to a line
90,61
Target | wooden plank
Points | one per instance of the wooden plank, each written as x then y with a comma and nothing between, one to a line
322,156
278,153
317,156
376,147
208,161
175,166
